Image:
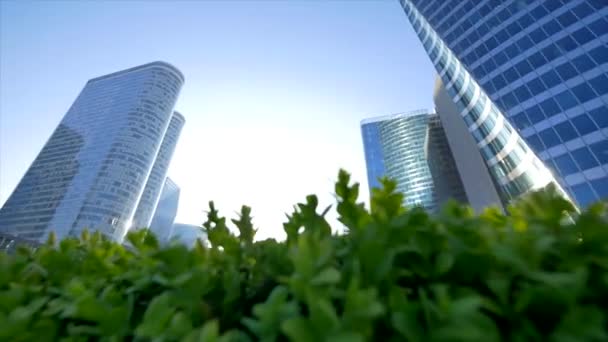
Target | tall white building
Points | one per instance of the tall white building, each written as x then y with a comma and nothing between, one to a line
166,209
152,191
92,171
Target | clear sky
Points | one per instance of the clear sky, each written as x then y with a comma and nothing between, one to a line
273,97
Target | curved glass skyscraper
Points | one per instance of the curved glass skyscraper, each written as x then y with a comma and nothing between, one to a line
531,79
152,191
412,149
166,209
92,171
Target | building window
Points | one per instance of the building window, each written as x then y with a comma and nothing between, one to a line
551,78
599,27
584,158
583,194
601,187
552,27
582,10
566,71
583,35
583,92
600,150
583,124
535,142
536,86
583,63
600,116
565,165
549,137
550,107
566,100
566,131
521,121
566,19
600,84
600,54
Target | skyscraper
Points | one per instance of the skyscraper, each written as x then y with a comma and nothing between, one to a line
154,184
166,209
187,234
92,170
412,149
478,185
538,65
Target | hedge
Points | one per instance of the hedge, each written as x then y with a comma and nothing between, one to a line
397,274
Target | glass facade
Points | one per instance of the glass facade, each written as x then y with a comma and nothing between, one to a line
92,170
152,191
166,209
187,234
412,149
10,244
513,165
543,65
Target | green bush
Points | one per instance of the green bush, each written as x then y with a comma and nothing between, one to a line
398,274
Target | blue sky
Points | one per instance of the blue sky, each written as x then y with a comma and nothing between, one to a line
273,97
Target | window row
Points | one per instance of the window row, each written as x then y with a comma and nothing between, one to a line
428,7
448,14
550,78
581,159
535,37
559,103
568,130
564,132
590,192
482,26
554,105
584,62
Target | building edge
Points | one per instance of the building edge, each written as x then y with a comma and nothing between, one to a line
162,64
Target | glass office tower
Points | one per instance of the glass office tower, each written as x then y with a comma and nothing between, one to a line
412,149
152,191
531,69
187,234
166,209
92,170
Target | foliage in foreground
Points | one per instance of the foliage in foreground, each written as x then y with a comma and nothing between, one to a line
397,275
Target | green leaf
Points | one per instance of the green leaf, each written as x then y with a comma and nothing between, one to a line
346,337
582,324
406,323
323,315
245,226
298,330
326,277
156,317
444,262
